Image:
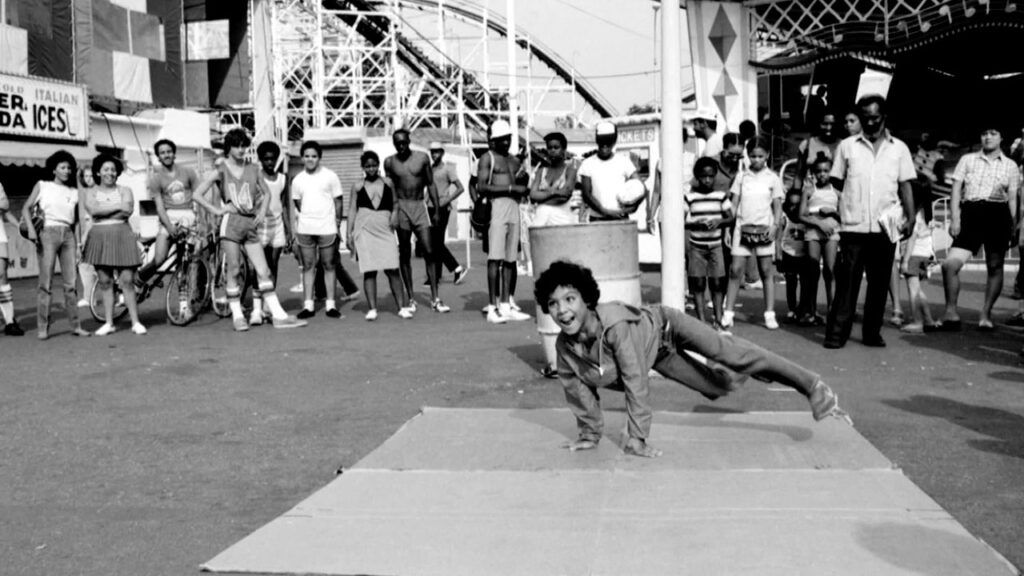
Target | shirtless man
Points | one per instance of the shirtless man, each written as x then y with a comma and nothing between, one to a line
501,178
411,173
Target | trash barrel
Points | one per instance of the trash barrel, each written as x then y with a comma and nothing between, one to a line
609,249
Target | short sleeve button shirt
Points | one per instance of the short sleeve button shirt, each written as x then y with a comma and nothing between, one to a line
987,179
871,180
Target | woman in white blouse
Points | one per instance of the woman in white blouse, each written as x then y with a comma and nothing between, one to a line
57,200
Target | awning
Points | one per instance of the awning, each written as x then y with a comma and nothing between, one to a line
36,153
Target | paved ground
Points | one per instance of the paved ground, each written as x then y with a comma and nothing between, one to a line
149,455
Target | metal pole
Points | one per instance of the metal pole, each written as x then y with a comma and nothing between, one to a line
513,97
673,276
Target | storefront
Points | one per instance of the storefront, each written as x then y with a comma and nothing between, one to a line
37,118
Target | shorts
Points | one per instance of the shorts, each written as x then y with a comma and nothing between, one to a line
316,240
813,233
739,249
180,217
503,233
553,215
412,216
917,266
985,224
5,252
705,261
271,232
239,229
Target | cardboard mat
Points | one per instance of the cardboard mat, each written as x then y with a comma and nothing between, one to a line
492,492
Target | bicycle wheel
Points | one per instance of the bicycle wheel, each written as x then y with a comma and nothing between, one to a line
96,303
187,292
220,284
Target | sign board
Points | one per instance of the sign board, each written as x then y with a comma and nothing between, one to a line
208,40
37,108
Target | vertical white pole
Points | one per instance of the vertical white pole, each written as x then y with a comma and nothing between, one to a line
513,88
673,268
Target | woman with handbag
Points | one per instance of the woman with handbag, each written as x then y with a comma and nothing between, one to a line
51,230
757,193
111,246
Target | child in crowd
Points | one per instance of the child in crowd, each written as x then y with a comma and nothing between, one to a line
708,211
792,257
819,210
918,254
757,193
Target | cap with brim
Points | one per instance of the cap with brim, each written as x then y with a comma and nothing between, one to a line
500,129
604,128
435,145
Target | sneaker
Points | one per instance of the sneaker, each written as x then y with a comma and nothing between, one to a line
372,315
512,314
83,303
439,306
770,322
332,313
825,403
256,318
138,329
460,274
549,372
487,309
305,313
105,330
412,305
43,333
727,317
755,285
289,322
512,304
13,329
912,328
297,289
494,318
896,319
81,332
406,313
240,324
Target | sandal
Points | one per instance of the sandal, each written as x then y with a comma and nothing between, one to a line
896,319
549,372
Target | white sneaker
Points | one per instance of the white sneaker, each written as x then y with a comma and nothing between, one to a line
487,309
512,314
770,322
256,318
512,304
494,318
406,313
755,285
412,305
439,306
727,318
105,330
372,315
138,329
297,289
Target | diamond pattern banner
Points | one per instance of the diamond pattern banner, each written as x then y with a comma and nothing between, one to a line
720,47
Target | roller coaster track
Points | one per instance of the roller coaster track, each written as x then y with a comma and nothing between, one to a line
374,30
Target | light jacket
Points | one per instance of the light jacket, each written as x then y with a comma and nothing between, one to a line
618,360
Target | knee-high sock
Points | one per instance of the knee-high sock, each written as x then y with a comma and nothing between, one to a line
270,297
235,301
7,303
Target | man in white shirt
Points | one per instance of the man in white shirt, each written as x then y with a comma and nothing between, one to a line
316,192
705,124
603,178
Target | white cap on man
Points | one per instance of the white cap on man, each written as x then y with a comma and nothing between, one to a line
435,145
706,113
605,128
500,129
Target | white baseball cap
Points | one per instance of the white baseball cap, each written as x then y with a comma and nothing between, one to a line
706,113
605,128
500,129
435,145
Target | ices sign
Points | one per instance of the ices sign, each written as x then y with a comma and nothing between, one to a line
40,109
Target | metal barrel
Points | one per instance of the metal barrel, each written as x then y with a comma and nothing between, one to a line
609,249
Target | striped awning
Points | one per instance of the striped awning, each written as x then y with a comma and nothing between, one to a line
36,153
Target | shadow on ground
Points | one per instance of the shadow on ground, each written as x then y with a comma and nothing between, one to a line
1004,429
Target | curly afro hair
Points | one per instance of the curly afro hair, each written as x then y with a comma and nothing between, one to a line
566,274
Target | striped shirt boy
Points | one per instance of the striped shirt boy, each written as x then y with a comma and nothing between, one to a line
704,205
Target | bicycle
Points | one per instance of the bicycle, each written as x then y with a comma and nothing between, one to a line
189,290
